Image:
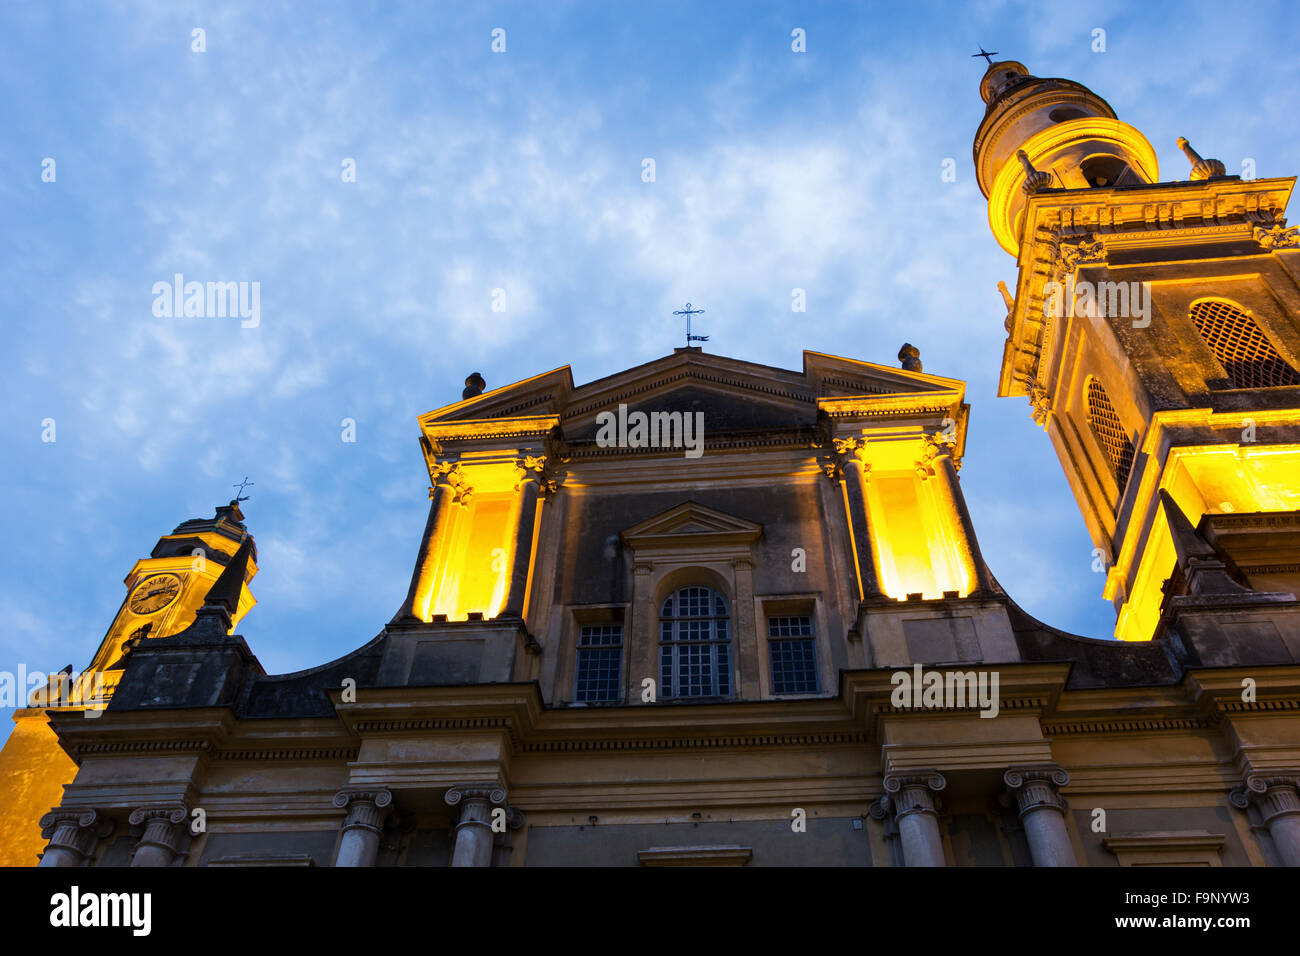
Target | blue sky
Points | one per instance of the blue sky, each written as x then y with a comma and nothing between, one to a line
521,171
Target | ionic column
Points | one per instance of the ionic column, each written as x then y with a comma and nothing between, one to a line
1042,812
363,827
523,544
1277,796
73,836
850,454
938,463
911,797
442,496
474,836
164,828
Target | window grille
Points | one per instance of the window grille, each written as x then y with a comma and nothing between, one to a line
1110,433
1241,346
792,651
694,644
600,663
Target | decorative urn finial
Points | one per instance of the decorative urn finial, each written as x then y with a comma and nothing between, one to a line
1201,168
1035,179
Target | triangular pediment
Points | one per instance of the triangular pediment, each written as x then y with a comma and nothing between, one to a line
691,525
731,396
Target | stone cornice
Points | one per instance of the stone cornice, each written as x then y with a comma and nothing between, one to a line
482,429
898,403
1066,229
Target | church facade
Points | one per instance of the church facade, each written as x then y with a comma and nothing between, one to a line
708,612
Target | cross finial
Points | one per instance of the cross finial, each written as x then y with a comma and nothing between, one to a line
688,312
241,486
988,56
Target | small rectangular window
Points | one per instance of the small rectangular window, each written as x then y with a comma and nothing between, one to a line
600,663
792,650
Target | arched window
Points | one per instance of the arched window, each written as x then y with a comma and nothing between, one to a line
1103,170
1110,433
1241,346
694,644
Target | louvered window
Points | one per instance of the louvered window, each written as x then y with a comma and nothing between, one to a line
1110,433
1241,346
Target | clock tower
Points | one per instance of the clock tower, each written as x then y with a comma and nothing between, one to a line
163,594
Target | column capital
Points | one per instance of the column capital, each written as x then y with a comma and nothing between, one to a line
1276,793
75,831
913,791
539,469
936,446
491,793
162,828
1034,787
367,809
145,815
843,453
451,474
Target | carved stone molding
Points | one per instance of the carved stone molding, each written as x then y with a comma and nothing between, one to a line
1042,403
367,809
1073,252
1279,236
1032,788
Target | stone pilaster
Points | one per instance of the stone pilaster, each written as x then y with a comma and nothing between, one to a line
363,826
643,644
532,475
1034,793
848,461
746,629
937,462
1276,795
910,796
880,810
474,835
163,831
442,495
73,836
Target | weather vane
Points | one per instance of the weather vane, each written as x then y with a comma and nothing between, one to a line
241,486
688,312
986,54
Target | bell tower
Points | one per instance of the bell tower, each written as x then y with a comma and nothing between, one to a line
164,593
1155,330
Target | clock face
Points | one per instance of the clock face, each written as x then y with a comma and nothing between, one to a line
154,593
